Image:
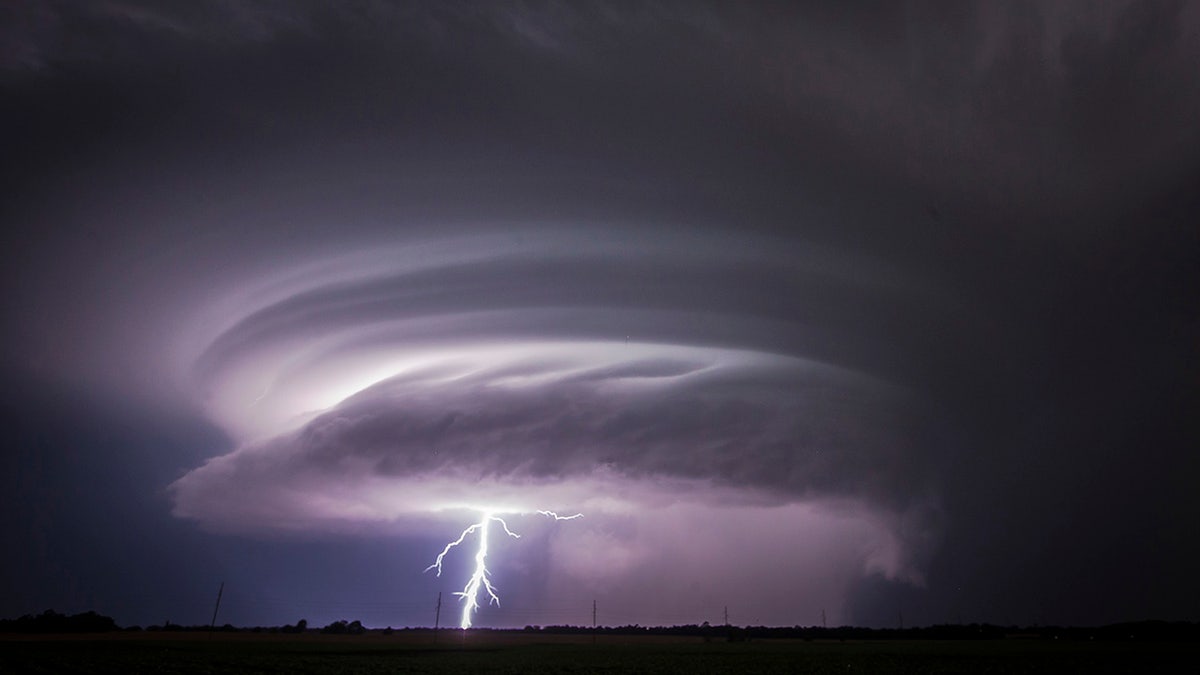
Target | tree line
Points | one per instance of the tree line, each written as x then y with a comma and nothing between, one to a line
51,621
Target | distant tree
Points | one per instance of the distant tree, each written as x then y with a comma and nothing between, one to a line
344,628
51,621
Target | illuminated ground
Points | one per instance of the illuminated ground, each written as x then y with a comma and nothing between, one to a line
415,652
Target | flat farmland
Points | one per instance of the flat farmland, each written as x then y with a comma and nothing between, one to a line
514,652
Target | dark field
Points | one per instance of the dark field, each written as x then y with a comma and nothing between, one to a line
516,653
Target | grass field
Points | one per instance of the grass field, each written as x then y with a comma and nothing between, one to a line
517,653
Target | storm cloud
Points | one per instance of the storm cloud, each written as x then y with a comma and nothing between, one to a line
622,378
858,306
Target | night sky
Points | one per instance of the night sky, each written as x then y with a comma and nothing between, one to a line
887,311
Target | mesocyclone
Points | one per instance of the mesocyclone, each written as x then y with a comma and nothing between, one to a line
576,370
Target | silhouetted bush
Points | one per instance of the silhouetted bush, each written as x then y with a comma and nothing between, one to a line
343,628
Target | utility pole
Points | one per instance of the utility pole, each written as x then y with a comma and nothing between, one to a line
217,607
593,621
437,617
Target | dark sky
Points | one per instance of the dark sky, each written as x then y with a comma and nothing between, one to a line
870,309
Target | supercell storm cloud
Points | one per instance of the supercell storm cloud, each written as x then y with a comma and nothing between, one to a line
870,309
519,373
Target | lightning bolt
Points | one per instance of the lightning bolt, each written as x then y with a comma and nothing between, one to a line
558,517
479,578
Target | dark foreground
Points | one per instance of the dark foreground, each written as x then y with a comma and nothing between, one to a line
515,653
